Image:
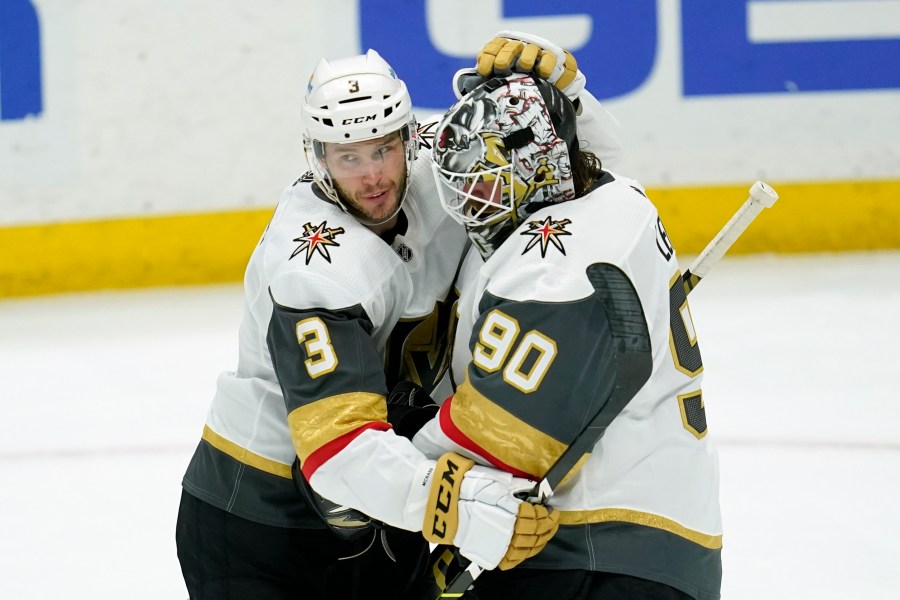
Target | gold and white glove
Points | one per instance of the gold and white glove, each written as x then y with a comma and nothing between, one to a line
525,53
476,509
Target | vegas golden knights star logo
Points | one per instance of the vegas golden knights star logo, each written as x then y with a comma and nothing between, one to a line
316,239
545,233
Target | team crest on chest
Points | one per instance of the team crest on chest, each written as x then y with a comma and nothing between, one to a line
316,239
546,233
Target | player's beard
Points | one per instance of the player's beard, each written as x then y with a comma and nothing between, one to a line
374,211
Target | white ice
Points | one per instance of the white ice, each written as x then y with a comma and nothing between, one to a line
103,398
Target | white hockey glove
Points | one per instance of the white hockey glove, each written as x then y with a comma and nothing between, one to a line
476,509
525,53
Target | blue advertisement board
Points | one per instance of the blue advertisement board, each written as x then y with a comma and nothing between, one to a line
717,56
20,61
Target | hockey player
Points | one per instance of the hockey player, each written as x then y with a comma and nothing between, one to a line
572,305
348,291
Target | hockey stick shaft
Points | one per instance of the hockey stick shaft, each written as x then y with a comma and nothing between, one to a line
761,196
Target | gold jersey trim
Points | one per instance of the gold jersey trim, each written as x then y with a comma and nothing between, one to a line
245,456
636,517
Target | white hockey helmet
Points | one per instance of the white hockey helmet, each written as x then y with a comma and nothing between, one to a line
352,100
503,152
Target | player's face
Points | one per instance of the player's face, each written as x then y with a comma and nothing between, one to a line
370,176
484,198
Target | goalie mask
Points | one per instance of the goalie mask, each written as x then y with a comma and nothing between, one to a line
503,152
351,105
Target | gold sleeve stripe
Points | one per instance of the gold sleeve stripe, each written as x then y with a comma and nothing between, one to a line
245,456
506,438
624,515
316,424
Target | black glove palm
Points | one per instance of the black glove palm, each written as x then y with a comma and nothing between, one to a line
409,408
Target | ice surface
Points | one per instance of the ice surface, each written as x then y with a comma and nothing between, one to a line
103,398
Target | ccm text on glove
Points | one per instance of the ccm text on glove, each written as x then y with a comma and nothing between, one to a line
476,509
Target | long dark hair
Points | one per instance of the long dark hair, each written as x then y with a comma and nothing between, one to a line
586,169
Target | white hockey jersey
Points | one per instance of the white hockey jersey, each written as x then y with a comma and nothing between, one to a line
334,317
545,327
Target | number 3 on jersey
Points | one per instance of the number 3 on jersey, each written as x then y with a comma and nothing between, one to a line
313,336
495,342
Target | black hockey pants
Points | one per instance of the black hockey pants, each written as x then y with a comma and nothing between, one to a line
226,557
